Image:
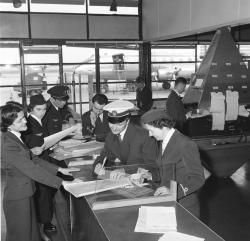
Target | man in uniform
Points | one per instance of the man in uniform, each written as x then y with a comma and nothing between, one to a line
126,143
95,121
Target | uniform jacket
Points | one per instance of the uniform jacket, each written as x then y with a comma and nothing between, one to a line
101,128
175,109
53,118
22,171
144,99
34,136
181,162
135,148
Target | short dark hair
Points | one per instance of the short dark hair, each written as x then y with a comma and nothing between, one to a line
169,123
180,80
101,99
9,113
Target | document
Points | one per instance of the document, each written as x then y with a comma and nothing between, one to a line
217,108
87,188
176,236
232,100
51,140
156,219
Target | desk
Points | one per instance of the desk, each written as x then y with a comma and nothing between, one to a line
118,224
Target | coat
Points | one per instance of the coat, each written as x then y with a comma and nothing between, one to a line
144,99
181,162
22,169
101,128
136,147
175,109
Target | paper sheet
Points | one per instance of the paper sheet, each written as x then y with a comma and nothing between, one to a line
217,109
51,140
176,236
156,219
91,187
232,100
81,163
243,111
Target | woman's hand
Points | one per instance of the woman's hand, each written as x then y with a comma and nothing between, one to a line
162,191
37,150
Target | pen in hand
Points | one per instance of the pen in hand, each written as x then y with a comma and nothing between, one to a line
104,162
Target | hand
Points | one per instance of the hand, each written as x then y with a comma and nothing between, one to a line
116,175
67,171
37,150
162,191
93,118
99,170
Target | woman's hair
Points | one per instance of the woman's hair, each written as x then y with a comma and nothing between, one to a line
169,123
9,113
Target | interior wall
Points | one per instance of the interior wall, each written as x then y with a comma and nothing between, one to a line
166,19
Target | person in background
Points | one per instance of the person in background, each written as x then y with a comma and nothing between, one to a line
34,137
178,160
95,121
174,104
126,143
22,170
143,95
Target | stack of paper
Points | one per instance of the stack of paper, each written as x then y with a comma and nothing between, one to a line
232,99
156,219
217,109
176,236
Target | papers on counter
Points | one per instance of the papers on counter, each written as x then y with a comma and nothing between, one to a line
86,188
176,236
232,100
156,219
217,109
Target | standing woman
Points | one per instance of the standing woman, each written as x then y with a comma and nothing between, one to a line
178,160
21,170
34,137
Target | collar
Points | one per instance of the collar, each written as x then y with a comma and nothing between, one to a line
176,92
54,105
167,139
17,134
37,119
123,132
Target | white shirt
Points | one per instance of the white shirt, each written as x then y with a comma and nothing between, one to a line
176,92
123,132
54,105
101,117
17,134
37,119
167,139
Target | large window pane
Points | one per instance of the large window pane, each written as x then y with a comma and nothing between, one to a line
78,54
245,52
9,56
127,7
8,6
10,75
173,54
201,51
58,6
114,55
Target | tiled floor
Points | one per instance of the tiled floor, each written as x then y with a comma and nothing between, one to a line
225,206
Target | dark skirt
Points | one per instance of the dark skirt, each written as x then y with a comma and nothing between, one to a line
21,221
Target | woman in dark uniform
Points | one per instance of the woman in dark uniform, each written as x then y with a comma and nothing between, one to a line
178,160
33,137
22,169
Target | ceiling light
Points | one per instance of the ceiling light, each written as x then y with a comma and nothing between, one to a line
113,6
17,3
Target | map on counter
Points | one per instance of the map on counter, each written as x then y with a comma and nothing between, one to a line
80,189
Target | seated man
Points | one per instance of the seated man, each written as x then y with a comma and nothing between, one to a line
126,143
178,159
95,121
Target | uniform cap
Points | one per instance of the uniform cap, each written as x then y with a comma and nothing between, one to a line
59,92
118,110
37,100
154,115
